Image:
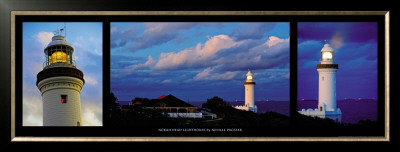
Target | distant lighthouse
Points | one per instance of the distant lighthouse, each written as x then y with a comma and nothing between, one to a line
249,94
327,106
60,83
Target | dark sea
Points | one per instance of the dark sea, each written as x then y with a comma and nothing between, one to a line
282,107
352,110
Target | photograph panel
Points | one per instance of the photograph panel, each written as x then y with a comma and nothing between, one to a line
205,73
62,74
338,72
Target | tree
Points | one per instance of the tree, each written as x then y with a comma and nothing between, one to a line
215,103
114,106
141,100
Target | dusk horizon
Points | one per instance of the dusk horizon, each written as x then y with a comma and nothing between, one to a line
197,61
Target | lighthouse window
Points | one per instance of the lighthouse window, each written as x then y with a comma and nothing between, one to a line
58,56
63,98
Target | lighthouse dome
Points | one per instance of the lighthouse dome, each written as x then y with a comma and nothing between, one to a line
249,73
327,48
58,40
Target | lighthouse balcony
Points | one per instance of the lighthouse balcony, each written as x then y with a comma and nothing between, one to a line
58,64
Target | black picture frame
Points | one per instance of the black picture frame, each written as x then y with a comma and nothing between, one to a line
390,141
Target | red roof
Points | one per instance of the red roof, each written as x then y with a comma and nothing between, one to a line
161,97
136,103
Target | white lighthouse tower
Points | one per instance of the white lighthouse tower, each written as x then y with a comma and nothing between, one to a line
327,106
60,83
249,94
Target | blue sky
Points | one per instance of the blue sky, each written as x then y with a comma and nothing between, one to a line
86,39
355,45
198,60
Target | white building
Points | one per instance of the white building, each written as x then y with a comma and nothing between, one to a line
327,106
249,94
60,83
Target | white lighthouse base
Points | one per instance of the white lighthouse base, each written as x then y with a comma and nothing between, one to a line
334,115
253,109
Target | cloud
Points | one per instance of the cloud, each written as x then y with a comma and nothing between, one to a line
113,29
121,37
87,52
95,46
44,38
91,114
153,35
273,40
90,80
337,40
131,68
208,74
31,68
260,54
133,39
32,106
252,30
286,76
309,50
166,81
186,58
193,55
221,52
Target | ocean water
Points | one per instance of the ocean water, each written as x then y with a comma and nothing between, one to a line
282,107
352,110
